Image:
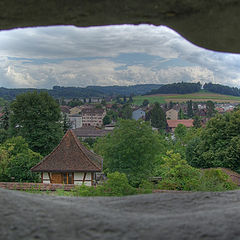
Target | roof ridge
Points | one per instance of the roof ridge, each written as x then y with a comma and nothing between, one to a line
80,146
55,149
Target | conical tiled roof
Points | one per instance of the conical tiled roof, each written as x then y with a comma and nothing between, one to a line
70,156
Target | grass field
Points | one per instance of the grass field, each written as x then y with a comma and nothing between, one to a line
195,97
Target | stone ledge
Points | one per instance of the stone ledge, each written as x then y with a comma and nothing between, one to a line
35,186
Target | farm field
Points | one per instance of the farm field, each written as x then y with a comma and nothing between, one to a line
195,97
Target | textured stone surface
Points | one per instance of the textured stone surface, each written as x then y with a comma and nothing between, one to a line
211,24
155,216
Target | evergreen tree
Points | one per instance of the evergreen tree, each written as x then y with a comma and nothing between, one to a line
4,120
180,114
66,123
210,109
189,109
197,121
158,117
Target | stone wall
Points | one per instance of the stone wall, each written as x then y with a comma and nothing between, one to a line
35,186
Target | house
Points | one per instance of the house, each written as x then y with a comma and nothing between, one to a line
76,120
93,116
69,163
75,110
172,124
90,132
65,109
138,114
172,114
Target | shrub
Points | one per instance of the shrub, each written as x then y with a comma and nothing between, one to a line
215,180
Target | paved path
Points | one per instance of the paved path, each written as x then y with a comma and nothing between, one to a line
154,216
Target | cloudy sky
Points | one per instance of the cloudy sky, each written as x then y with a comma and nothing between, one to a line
113,55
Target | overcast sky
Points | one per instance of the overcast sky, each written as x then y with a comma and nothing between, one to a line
114,55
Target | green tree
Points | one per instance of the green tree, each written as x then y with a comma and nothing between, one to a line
125,112
106,120
197,121
180,114
16,160
130,149
158,117
3,135
218,145
66,123
4,120
189,109
145,102
36,117
210,108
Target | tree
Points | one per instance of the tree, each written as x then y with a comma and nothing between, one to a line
3,135
16,160
210,108
145,102
125,112
158,117
106,120
130,149
189,109
36,117
218,144
66,123
4,120
197,121
180,114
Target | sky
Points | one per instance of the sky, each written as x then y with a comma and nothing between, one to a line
44,57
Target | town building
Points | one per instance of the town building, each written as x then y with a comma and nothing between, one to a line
93,117
75,120
90,132
172,114
138,114
69,163
172,124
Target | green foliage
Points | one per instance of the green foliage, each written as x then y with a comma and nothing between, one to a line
178,175
145,102
189,109
130,149
125,112
106,120
218,145
66,123
197,121
178,88
3,135
116,185
210,108
16,160
157,117
215,180
4,120
36,117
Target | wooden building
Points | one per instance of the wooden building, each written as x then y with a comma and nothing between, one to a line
69,163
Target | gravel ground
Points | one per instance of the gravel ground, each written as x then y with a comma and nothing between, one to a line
153,216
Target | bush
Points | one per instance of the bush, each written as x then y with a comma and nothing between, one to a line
215,180
116,185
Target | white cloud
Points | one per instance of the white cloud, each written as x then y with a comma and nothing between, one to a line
70,56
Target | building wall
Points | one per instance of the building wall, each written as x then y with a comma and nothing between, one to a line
93,119
46,178
76,121
172,114
78,179
138,114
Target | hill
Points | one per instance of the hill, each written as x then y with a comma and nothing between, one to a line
201,96
78,92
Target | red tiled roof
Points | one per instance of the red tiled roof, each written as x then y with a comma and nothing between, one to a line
69,156
90,131
185,122
65,109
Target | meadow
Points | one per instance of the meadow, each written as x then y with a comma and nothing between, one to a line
202,96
